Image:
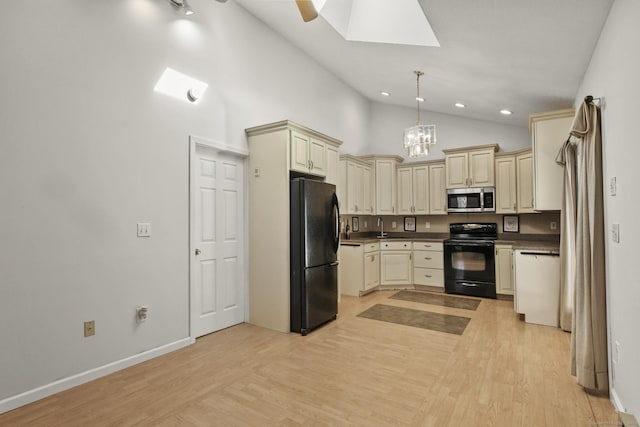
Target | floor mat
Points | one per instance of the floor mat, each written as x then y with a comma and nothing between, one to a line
417,318
437,299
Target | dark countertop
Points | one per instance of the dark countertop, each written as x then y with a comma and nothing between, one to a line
550,242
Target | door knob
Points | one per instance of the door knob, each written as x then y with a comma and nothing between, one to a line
198,252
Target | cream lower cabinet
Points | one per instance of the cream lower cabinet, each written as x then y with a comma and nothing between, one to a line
395,263
428,264
371,266
359,268
504,269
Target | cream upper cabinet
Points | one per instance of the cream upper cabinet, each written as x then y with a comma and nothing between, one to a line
504,269
332,164
308,154
524,180
385,170
437,189
506,184
413,189
457,167
367,190
549,131
470,167
355,186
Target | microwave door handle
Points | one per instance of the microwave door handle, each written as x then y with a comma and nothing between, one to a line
482,199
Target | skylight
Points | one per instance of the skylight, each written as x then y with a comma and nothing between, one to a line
380,21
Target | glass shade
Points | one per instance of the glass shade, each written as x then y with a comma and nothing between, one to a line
418,139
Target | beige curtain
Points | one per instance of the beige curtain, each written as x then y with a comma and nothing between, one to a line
582,250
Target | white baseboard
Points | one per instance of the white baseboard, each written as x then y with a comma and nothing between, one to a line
616,400
30,396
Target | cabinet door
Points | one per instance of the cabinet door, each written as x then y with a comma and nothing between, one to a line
547,138
385,187
457,167
350,269
366,190
420,176
504,272
371,270
317,157
437,190
506,185
299,152
405,190
332,165
395,267
354,180
481,171
524,172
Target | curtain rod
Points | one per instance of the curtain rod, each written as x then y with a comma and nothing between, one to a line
590,98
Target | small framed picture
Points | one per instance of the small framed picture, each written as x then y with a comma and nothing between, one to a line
355,224
510,224
409,223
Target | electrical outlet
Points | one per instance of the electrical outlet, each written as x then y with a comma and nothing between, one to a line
142,313
144,229
553,225
393,224
365,224
427,224
89,328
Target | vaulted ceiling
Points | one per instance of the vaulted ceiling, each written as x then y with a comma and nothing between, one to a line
523,55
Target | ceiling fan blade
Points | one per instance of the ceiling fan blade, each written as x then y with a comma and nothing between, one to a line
307,10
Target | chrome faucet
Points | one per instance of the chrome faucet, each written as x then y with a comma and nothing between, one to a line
381,225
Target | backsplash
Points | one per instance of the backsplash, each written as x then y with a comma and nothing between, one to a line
534,223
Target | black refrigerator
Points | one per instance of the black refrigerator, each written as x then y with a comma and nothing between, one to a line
315,238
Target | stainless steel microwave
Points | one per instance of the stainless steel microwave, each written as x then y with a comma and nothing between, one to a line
471,200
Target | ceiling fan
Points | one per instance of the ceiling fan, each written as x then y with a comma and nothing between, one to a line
308,9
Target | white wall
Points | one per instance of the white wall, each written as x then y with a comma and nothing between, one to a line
388,124
88,149
613,75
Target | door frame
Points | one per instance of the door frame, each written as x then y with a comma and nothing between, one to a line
243,156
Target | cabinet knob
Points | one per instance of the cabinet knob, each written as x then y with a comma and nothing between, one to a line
198,252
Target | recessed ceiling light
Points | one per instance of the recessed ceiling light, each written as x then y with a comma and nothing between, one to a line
460,105
419,99
383,93
506,112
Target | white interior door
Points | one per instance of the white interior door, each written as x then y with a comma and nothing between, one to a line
218,285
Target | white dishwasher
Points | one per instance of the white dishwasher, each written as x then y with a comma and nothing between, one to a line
537,286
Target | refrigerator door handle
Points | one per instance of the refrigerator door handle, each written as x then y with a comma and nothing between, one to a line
336,231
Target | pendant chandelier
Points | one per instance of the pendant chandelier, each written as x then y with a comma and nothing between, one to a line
419,138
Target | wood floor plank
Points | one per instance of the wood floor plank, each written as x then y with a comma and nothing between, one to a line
354,371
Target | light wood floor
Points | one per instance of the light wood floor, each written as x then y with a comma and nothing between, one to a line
354,371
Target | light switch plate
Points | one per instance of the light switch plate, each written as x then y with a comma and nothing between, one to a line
144,229
393,224
427,224
613,186
615,233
